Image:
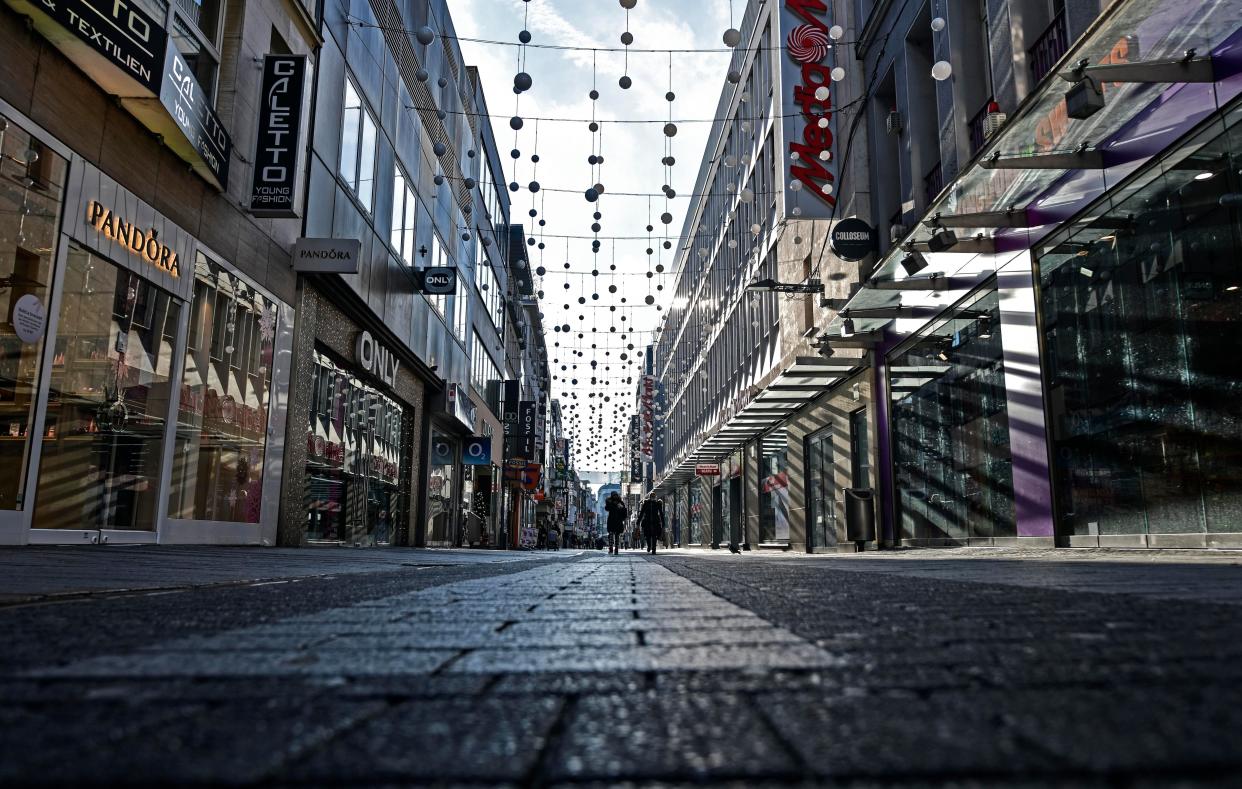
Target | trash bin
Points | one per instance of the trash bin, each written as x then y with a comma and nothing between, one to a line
860,514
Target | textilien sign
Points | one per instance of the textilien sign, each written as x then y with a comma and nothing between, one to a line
274,182
129,54
809,125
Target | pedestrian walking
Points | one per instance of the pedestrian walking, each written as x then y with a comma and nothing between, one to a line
618,516
651,521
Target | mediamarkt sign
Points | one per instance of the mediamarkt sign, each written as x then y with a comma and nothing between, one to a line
809,125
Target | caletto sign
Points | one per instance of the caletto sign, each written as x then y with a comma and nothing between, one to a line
809,126
376,359
273,187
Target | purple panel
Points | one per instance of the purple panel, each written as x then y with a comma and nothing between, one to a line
883,438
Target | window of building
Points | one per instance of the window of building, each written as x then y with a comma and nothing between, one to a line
358,141
404,211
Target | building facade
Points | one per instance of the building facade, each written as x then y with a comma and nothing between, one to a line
148,298
1044,331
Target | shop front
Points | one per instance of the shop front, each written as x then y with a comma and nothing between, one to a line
142,377
349,479
1059,357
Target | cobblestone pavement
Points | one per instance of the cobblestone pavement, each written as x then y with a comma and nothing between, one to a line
595,670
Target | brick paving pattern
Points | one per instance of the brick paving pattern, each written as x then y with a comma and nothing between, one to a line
594,670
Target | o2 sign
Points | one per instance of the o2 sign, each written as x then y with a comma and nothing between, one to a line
477,451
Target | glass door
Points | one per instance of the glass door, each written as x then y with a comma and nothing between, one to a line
108,403
821,487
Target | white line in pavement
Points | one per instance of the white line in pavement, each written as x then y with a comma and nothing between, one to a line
603,614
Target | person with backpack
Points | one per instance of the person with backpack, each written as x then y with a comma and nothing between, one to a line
651,521
618,517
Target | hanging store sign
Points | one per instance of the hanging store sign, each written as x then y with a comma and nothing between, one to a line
327,255
130,55
140,242
646,418
441,453
852,239
707,470
477,451
437,281
809,126
527,425
376,359
273,187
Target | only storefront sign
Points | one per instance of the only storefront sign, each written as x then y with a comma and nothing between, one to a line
376,359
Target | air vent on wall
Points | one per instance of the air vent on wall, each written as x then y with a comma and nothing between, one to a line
894,122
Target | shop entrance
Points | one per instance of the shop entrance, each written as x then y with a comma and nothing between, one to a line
99,476
353,493
821,491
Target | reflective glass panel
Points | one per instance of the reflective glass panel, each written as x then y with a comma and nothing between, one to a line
108,399
950,432
217,471
1141,309
32,181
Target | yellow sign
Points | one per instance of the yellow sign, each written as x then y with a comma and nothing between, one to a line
143,243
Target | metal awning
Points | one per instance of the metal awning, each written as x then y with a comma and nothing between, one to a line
1045,166
804,381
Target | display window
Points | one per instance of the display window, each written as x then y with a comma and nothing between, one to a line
108,399
225,399
32,182
353,494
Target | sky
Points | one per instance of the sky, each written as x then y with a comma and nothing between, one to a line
562,80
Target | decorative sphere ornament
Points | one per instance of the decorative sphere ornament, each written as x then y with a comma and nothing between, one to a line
533,213
597,215
425,35
524,36
441,114
941,70
442,82
735,77
533,186
836,32
595,227
747,195
515,154
515,123
438,180
421,75
625,82
837,74
756,229
468,181
937,24
514,186
465,236
670,130
487,242
628,4
670,96
593,126
592,195
822,93
599,188
732,37
594,94
522,81
796,186
470,153
627,38
439,148
666,218
650,300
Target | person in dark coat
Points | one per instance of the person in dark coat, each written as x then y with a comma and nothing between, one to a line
651,521
618,515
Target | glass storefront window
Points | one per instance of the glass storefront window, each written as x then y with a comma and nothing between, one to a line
774,487
950,432
1141,305
440,501
32,180
217,471
353,478
108,399
700,511
821,486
